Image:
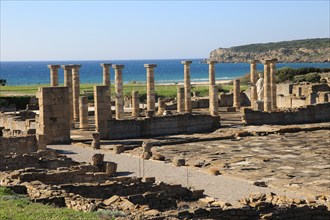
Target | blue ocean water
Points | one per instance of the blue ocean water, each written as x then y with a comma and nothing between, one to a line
167,71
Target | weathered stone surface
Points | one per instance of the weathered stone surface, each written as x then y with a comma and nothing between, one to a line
111,200
118,149
178,162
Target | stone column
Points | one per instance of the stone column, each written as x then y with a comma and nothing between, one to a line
106,73
83,113
75,91
253,79
187,89
53,74
214,108
211,75
119,91
211,78
68,83
102,111
267,88
161,106
180,98
150,88
135,104
236,94
273,83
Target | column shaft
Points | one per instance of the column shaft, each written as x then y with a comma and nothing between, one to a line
236,94
180,100
150,88
83,113
106,73
267,92
135,104
53,74
214,107
68,83
119,91
75,91
273,84
187,87
253,79
211,75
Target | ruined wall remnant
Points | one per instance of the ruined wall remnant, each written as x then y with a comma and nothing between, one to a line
18,144
156,126
302,94
307,114
54,116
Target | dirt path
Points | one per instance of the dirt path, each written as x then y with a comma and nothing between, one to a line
224,188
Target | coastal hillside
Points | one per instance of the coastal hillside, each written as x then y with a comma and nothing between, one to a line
308,50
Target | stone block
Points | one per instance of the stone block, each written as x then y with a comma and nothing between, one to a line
110,168
97,159
118,149
178,162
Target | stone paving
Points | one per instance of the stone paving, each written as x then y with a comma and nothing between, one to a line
290,161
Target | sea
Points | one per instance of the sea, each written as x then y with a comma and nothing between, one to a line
167,70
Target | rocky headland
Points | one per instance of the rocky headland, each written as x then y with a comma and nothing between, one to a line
309,50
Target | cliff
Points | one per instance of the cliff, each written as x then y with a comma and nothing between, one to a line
308,50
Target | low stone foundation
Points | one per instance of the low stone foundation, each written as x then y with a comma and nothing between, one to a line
36,160
18,144
23,121
307,114
165,125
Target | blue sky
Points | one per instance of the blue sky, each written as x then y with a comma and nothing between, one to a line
112,30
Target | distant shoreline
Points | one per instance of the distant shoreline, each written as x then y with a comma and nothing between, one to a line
224,81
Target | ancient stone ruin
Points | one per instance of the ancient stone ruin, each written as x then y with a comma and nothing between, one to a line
64,117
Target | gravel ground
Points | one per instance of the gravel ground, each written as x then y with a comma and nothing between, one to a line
222,187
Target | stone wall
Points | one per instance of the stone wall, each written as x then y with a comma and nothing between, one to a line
18,144
296,95
226,100
54,115
165,125
307,114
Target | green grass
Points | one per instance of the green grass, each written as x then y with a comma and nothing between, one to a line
168,91
16,207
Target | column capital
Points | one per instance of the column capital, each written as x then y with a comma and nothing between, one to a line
254,61
118,66
186,62
150,65
211,62
266,62
105,64
53,66
274,60
67,67
76,66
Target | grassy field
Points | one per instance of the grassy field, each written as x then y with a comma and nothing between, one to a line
168,91
15,207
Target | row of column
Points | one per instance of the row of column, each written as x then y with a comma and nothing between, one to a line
183,97
79,106
269,84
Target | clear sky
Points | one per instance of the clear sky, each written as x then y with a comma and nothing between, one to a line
112,30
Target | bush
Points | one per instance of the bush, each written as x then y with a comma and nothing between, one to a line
310,77
287,74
